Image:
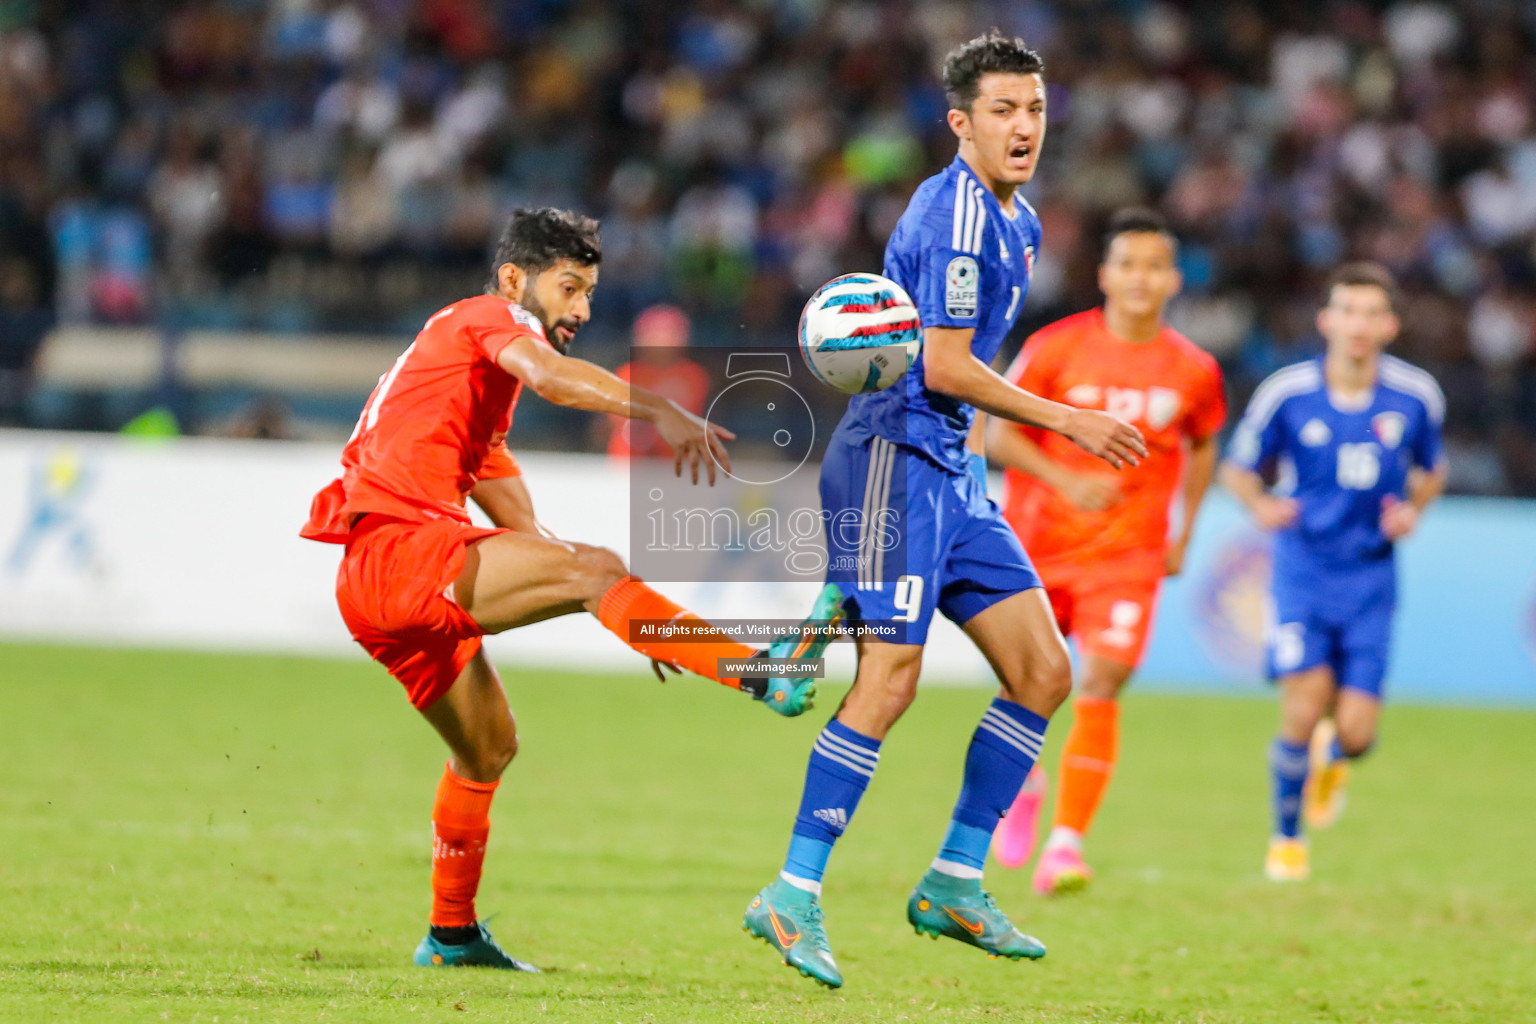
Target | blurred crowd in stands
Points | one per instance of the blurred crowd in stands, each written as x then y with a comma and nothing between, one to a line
314,165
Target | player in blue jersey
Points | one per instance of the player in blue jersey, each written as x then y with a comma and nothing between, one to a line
1355,439
911,530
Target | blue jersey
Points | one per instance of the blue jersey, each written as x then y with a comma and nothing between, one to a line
1339,464
966,264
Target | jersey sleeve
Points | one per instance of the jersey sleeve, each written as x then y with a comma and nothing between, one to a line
1260,435
499,464
953,275
1427,449
1034,368
1210,410
495,332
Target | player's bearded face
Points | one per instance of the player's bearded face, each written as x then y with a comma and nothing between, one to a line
561,297
1006,127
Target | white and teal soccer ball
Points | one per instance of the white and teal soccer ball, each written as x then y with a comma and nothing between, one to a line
860,333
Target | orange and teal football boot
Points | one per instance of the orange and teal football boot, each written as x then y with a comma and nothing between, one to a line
791,697
789,919
481,951
961,909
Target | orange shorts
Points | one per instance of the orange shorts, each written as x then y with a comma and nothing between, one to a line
1110,613
395,589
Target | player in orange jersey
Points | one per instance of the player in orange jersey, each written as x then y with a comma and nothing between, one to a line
419,585
1101,541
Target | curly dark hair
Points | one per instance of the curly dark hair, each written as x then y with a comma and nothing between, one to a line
536,240
1138,220
988,54
1364,273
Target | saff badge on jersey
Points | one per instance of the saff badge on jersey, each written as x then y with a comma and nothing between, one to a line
962,287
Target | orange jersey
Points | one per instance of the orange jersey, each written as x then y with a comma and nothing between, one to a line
436,423
1167,388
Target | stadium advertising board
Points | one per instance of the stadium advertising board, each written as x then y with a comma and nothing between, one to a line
194,543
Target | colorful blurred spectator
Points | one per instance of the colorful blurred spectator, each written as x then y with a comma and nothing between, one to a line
342,164
660,363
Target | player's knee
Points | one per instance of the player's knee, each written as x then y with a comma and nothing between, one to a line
1047,678
494,755
889,685
1356,742
598,569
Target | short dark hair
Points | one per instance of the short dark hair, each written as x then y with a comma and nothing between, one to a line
535,240
993,53
1139,220
1364,273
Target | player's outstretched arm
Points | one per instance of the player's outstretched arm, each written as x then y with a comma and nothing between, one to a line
1268,511
579,384
950,367
1009,447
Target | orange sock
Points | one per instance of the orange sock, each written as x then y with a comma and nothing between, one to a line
630,600
1087,761
461,821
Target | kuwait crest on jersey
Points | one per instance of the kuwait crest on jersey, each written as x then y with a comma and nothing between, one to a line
1388,428
1029,261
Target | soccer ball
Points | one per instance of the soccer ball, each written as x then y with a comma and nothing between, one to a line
860,333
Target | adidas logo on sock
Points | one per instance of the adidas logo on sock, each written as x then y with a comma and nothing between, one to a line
833,816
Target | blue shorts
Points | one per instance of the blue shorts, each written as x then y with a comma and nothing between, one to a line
905,536
1340,617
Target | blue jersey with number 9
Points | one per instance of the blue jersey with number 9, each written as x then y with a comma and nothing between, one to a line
965,263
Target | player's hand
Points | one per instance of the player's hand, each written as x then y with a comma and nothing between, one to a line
694,441
1099,433
657,666
1398,518
1272,513
1090,492
1173,560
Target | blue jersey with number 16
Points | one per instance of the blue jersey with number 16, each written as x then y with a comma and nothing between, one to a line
1340,463
965,263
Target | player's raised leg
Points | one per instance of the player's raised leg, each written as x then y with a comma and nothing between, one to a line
475,721
1304,699
513,579
1021,641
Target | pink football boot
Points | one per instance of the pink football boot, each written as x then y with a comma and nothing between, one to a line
1014,840
1061,870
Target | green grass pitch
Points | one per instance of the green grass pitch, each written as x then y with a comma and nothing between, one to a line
220,838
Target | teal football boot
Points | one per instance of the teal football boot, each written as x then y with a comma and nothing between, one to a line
791,697
789,920
481,951
961,909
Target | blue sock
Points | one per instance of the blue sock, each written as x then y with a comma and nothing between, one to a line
1003,750
842,763
1288,769
1336,751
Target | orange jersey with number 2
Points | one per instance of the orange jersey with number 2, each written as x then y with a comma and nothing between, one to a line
1167,388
